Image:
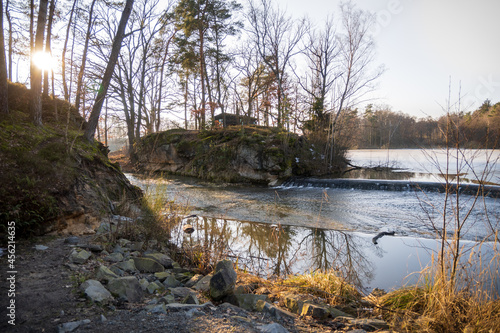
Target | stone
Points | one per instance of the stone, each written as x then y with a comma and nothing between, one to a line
162,258
190,299
157,308
357,331
136,246
41,247
154,286
96,292
249,301
105,274
127,266
370,324
294,303
315,311
194,313
272,328
124,242
167,299
114,257
116,270
171,282
181,292
204,284
72,240
118,249
263,306
223,281
71,326
193,280
187,307
147,265
335,313
126,288
162,275
144,283
91,247
79,256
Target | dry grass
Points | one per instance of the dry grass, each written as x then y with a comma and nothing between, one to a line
440,307
325,285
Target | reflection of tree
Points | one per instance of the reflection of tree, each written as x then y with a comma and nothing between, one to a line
339,251
265,249
269,242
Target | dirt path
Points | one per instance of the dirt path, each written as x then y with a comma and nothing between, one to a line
46,297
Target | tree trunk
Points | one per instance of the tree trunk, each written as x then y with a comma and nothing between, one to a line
48,48
115,51
63,57
84,59
9,22
202,78
36,73
4,93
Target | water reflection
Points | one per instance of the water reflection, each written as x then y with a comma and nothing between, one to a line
278,250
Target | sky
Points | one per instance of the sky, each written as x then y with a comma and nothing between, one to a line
431,49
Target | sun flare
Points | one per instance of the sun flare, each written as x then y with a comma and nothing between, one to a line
44,61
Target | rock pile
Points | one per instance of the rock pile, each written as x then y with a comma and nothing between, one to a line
150,281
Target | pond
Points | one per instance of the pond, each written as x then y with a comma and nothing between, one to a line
295,229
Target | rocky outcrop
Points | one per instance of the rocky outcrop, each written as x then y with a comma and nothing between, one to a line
236,154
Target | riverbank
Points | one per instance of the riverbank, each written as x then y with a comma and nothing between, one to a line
50,296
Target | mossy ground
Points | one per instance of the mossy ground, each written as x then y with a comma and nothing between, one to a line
39,164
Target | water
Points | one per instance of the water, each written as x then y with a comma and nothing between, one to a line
429,165
285,230
271,250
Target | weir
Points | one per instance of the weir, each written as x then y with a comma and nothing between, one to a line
491,191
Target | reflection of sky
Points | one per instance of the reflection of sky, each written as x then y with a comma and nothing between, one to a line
260,248
427,164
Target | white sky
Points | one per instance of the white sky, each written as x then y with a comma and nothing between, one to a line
423,43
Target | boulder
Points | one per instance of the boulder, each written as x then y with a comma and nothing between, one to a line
127,266
162,258
263,306
147,265
95,291
194,280
126,288
181,292
78,256
171,282
162,275
105,274
248,301
204,284
315,311
167,299
223,282
154,286
191,299
114,257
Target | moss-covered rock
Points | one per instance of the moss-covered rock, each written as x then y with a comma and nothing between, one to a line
236,154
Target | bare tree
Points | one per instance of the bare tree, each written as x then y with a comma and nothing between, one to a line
4,96
115,51
357,53
79,86
276,37
322,53
65,48
36,73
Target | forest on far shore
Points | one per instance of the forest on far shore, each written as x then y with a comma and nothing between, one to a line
379,127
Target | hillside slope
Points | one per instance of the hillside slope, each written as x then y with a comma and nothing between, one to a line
52,179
